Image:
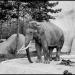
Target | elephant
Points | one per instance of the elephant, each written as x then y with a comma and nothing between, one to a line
47,36
8,47
69,42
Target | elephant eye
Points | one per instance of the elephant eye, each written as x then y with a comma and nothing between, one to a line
30,32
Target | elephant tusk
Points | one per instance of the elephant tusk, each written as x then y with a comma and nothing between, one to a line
24,48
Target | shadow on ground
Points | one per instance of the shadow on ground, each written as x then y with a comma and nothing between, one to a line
32,54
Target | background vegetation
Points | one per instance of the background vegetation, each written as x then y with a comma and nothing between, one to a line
14,14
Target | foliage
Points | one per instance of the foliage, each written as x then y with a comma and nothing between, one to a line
39,10
5,9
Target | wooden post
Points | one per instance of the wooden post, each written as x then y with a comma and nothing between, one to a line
1,28
17,25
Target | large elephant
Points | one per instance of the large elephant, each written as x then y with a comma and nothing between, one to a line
47,36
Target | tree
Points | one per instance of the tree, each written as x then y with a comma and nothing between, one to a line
5,11
39,10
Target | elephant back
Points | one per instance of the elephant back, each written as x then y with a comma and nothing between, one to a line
53,33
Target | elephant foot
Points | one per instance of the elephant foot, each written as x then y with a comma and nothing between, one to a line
57,59
30,61
46,62
39,61
50,59
68,53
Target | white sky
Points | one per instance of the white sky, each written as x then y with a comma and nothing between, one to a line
66,5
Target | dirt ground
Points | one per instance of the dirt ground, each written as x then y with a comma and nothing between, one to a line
22,66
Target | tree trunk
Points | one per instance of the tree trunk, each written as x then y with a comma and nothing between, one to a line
1,29
17,28
10,27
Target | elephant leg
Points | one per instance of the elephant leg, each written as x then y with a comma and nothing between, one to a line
46,53
39,55
50,53
68,53
46,56
58,54
28,55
